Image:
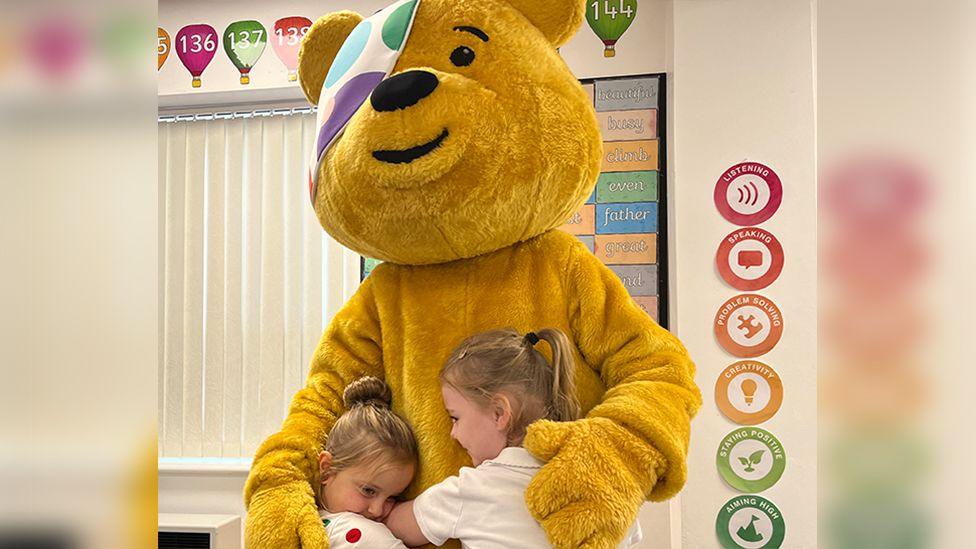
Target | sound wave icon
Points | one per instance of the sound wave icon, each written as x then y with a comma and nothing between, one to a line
748,194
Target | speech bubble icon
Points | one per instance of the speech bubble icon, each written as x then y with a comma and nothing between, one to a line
750,258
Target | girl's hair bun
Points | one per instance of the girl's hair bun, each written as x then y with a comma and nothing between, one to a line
367,391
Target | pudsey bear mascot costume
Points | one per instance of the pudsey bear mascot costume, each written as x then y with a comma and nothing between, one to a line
453,140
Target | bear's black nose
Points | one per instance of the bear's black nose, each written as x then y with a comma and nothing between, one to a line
402,90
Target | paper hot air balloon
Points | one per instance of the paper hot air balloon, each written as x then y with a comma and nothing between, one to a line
609,19
244,42
58,46
289,32
163,45
196,46
121,38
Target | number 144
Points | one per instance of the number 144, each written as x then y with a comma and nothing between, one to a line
610,9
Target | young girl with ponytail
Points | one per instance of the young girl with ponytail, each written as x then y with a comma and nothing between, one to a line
494,385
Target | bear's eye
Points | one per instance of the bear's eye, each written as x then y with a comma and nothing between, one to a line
462,56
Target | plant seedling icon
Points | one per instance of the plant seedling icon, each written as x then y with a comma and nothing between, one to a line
754,459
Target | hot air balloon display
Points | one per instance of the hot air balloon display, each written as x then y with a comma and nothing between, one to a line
244,42
121,39
57,46
196,46
289,32
163,45
609,19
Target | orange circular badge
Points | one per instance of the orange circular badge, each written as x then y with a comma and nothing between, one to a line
749,392
748,325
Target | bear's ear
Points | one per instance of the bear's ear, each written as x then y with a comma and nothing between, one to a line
557,19
319,48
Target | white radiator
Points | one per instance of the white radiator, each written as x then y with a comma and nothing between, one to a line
193,531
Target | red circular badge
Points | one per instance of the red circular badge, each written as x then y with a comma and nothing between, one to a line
748,325
354,535
749,259
748,193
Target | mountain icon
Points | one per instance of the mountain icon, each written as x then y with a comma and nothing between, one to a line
749,532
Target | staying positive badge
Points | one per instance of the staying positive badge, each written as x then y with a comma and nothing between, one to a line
750,459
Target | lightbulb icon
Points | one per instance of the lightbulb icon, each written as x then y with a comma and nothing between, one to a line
749,387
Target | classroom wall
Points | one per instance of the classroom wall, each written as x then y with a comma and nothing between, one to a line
744,90
741,87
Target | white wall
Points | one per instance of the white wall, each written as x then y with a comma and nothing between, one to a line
744,90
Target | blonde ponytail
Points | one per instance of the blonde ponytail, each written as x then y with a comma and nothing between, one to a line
505,362
564,405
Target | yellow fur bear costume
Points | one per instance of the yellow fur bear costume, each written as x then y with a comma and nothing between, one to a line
456,173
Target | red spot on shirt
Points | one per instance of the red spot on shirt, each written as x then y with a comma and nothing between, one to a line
354,535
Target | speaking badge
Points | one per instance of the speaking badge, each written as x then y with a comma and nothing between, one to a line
749,259
750,522
748,325
750,459
748,193
748,392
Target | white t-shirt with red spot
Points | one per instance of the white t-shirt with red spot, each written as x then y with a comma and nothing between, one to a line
485,507
352,531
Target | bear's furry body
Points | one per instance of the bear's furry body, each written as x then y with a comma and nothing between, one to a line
468,234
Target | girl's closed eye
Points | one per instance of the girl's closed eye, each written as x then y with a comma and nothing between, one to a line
368,491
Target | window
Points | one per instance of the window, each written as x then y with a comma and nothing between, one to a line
249,279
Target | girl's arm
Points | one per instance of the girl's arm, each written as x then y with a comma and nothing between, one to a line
402,522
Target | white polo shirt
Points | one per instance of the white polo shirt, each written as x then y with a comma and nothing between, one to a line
485,507
352,531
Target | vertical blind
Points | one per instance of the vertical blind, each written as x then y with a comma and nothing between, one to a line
249,280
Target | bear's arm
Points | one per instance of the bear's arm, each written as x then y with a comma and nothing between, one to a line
649,376
349,349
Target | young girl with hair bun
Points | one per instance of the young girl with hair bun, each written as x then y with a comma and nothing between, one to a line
370,458
494,385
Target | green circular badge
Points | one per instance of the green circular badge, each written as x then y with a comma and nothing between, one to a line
750,459
750,522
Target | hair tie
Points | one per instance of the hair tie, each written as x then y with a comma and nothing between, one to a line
532,338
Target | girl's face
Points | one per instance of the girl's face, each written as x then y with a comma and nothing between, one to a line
365,490
482,431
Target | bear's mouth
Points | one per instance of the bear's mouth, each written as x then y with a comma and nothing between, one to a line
406,156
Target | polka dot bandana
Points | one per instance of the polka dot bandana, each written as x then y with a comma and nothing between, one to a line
366,58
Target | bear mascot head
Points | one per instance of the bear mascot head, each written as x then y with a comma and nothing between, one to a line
452,141
481,138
